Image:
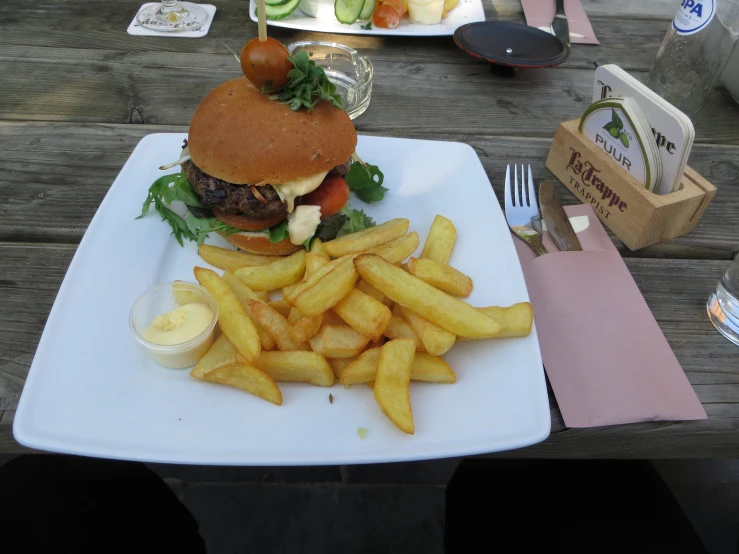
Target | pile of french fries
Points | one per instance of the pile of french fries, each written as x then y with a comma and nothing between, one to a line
353,310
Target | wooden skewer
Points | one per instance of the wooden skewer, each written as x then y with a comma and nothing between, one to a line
262,24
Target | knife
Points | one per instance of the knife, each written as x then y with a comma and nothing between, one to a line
559,24
558,224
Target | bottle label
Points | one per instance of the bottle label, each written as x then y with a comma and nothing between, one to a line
693,16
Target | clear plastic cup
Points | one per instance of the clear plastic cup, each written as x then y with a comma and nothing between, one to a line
164,298
346,68
723,304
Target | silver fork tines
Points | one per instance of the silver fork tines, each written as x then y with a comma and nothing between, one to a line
521,209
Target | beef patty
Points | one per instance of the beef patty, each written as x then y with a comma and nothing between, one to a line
234,199
241,199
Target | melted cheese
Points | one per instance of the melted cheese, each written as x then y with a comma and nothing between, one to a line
300,187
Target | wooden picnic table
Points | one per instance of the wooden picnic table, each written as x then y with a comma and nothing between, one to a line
77,93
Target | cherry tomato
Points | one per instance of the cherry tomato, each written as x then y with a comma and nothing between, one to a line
266,63
330,196
243,222
386,17
397,4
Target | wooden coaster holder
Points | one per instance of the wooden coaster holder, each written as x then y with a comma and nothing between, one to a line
638,217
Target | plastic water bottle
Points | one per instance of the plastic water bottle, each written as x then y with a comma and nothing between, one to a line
694,52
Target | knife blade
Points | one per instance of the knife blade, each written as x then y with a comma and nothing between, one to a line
553,214
559,24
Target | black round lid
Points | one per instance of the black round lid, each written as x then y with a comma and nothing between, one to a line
511,44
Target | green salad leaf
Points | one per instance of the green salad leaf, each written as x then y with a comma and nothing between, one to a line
176,188
357,221
365,180
278,232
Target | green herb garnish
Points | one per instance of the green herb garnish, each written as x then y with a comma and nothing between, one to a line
173,188
365,181
307,86
367,26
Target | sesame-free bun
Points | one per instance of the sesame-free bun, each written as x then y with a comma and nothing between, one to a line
241,136
258,243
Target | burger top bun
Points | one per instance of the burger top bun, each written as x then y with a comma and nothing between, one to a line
241,136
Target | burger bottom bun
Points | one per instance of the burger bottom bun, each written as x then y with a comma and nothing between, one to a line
258,243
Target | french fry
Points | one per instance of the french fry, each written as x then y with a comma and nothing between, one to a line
398,250
244,293
291,292
276,275
363,369
281,306
221,352
441,239
303,327
399,328
275,324
377,295
338,341
442,276
316,246
426,367
242,290
315,260
296,367
247,378
448,312
327,292
367,238
364,313
330,318
339,364
232,318
436,341
224,258
516,320
392,382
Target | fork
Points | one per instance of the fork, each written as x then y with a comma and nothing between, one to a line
521,210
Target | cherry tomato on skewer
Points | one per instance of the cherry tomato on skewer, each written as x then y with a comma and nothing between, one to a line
265,63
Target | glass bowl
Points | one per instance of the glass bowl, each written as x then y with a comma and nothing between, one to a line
162,299
346,68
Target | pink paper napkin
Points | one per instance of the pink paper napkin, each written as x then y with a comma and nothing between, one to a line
540,13
606,358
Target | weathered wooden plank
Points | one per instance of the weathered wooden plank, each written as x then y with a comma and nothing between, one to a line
676,291
53,177
629,44
429,98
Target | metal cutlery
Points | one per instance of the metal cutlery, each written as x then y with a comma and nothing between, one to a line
521,210
560,27
555,218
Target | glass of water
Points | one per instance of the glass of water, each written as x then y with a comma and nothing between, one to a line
723,304
173,16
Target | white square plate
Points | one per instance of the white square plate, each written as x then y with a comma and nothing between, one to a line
92,391
467,11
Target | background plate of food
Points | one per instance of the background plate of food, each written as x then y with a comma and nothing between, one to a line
375,310
376,19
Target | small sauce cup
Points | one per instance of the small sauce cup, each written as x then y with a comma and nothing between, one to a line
164,298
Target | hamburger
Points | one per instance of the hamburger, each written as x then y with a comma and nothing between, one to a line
264,175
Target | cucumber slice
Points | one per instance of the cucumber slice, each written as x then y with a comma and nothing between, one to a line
347,11
275,2
367,10
281,11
